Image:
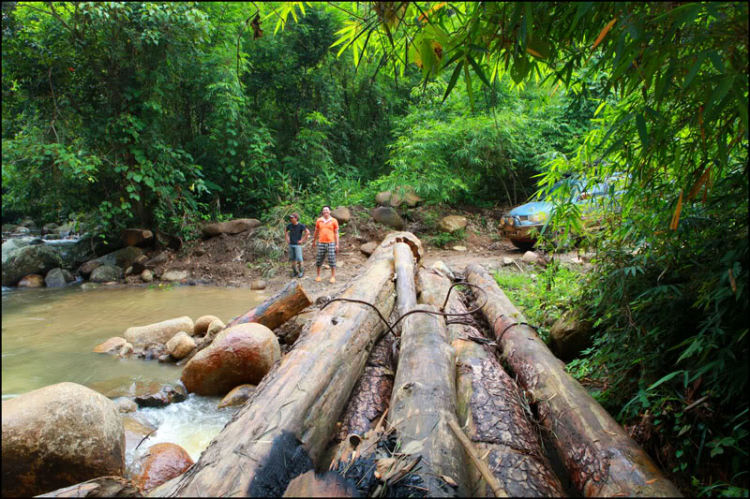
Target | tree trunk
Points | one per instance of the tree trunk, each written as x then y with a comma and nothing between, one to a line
283,430
490,409
104,486
272,313
424,399
601,458
278,309
372,393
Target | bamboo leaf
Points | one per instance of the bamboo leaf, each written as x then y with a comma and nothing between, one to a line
676,216
478,71
664,379
640,123
603,33
453,80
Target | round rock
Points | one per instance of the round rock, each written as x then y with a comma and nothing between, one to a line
238,355
180,345
57,436
238,396
160,464
202,323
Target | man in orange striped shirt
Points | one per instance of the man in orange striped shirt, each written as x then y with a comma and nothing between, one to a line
326,237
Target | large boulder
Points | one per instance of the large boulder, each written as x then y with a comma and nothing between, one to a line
160,464
382,198
452,223
16,243
31,281
342,214
231,227
57,436
389,217
123,258
82,251
569,336
238,396
136,237
161,332
180,345
33,259
58,278
106,273
66,229
240,354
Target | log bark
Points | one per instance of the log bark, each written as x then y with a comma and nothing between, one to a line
278,309
372,393
424,399
596,450
272,313
282,431
104,486
326,485
490,409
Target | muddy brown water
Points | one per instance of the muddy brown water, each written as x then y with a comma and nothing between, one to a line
48,336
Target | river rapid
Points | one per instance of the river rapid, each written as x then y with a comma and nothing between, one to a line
48,336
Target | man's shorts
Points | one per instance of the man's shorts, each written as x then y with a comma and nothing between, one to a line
295,252
323,250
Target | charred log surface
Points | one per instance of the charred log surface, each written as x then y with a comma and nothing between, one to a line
286,460
601,458
303,395
490,408
326,485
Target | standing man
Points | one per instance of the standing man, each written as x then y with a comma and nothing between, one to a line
326,236
296,235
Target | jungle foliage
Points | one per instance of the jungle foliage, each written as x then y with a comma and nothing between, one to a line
166,115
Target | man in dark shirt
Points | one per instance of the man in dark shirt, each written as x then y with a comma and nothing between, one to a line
296,235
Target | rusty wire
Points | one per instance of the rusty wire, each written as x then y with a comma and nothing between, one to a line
444,314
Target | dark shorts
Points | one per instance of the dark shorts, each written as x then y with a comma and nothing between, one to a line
323,250
295,252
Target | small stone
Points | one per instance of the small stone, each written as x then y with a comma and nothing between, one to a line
368,248
259,284
459,248
202,323
125,405
147,276
112,345
31,281
530,257
507,260
175,275
126,350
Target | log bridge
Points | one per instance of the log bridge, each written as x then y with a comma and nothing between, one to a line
462,424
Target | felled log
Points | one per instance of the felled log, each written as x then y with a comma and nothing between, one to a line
600,457
272,313
282,431
424,398
103,486
278,309
490,409
372,393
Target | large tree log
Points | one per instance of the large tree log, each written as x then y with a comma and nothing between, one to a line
278,309
424,396
272,313
601,458
283,430
490,408
103,486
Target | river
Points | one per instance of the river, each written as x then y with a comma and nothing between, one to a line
48,336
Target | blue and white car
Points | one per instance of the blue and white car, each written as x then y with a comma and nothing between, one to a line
523,223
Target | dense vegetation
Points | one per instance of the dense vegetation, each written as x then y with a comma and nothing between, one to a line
164,115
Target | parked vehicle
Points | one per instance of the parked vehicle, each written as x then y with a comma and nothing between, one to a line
523,223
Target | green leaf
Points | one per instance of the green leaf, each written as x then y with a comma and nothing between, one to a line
640,123
664,379
718,94
693,71
478,71
453,80
519,70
